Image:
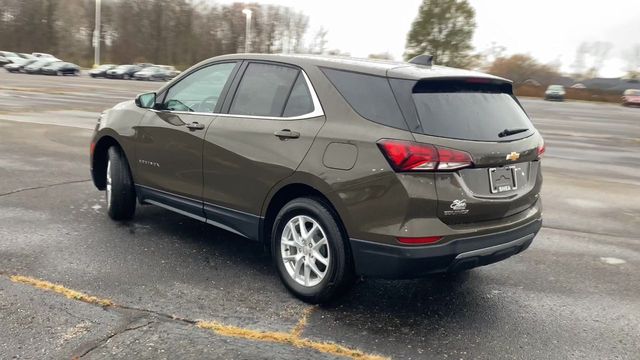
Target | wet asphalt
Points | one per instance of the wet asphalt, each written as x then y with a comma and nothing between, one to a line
574,294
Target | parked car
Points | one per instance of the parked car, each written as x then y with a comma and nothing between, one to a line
123,72
101,71
61,68
45,56
555,92
342,168
27,56
36,67
631,97
171,69
9,55
153,73
19,65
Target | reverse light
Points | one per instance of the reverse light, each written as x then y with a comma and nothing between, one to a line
412,156
420,240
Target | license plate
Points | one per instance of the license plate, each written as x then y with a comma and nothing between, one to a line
502,179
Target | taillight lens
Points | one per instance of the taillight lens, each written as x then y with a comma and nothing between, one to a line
412,156
541,149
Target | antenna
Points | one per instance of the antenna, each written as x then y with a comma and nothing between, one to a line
424,59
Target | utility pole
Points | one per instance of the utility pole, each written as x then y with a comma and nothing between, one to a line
247,31
96,36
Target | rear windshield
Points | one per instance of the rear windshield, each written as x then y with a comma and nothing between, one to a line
471,116
467,109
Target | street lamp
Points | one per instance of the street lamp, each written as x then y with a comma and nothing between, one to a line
96,36
247,32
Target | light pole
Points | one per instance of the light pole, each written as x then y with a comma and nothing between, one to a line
247,32
96,36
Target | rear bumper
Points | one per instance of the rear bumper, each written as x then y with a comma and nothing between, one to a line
394,262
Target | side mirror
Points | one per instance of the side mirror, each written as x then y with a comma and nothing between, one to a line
146,101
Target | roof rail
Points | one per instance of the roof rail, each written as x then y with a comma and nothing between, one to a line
424,59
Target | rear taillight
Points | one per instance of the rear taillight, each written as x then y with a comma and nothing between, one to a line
412,156
541,149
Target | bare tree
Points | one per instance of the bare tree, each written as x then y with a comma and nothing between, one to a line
632,57
178,32
318,44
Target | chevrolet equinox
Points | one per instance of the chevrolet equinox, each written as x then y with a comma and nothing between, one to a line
343,167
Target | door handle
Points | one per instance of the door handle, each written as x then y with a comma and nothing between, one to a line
287,134
195,126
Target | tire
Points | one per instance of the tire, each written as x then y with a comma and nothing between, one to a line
125,76
337,274
120,192
59,73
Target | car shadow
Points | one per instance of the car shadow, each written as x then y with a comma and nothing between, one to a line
373,306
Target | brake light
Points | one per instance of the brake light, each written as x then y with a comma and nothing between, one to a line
411,156
419,240
541,149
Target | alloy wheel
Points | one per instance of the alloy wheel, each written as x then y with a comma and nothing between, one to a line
305,251
108,187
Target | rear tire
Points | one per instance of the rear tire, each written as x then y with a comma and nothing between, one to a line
120,192
315,265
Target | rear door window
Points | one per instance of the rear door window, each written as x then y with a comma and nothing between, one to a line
300,102
264,90
369,95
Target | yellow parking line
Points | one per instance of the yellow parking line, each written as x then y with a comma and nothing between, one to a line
71,294
286,338
302,323
291,338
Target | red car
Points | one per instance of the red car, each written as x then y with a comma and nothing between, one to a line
631,97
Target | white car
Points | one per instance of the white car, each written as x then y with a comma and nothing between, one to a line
45,56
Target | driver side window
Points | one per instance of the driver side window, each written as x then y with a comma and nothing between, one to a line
199,91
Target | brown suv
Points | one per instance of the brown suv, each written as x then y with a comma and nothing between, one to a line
343,166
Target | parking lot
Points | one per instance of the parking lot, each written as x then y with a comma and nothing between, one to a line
73,283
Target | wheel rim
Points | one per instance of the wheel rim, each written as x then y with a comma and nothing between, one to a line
108,185
305,251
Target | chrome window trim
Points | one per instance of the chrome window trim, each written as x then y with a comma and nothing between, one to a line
317,108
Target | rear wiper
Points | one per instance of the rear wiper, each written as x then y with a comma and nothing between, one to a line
509,132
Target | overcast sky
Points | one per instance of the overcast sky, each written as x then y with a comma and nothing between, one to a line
549,30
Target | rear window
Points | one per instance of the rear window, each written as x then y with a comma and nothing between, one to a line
468,109
370,96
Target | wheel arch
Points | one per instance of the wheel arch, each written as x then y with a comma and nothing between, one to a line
99,159
293,189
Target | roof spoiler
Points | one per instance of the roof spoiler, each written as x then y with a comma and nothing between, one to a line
424,59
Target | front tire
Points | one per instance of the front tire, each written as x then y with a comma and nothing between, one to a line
120,192
310,251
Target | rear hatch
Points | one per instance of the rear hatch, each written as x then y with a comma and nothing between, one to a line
480,117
